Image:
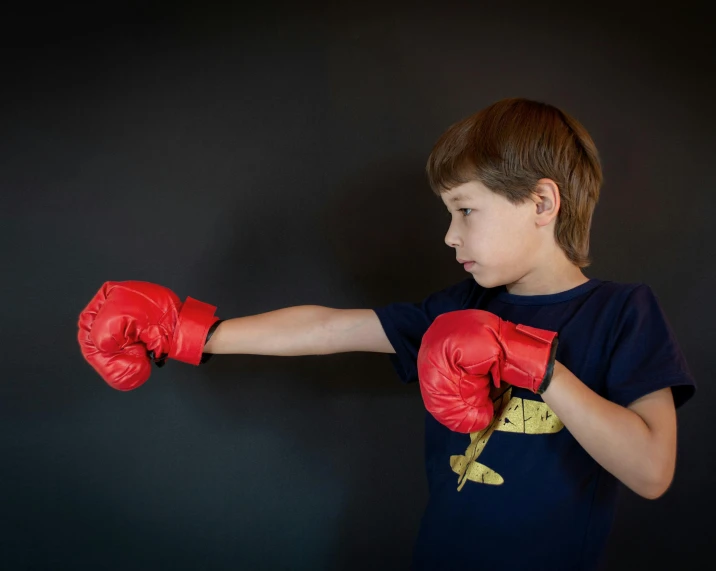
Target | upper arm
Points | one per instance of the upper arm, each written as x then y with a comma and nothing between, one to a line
658,412
355,330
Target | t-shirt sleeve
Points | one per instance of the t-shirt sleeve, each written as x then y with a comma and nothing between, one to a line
646,356
406,323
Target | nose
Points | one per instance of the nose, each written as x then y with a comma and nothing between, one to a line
452,238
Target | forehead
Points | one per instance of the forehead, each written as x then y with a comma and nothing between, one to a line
467,191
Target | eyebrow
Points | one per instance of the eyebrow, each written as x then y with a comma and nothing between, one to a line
457,198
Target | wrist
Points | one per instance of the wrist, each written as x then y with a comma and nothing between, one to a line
557,377
544,385
208,355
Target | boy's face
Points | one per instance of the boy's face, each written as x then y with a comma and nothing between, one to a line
499,237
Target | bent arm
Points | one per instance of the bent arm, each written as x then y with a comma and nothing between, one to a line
636,444
301,330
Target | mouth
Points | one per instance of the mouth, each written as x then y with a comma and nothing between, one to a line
467,264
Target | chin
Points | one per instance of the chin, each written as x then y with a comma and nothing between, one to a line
485,282
490,282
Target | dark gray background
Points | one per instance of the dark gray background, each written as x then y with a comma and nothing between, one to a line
273,155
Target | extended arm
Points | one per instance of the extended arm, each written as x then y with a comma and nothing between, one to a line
301,330
128,325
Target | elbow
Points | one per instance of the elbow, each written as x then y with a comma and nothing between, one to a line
654,492
657,486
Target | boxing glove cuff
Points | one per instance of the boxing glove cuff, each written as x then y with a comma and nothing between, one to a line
190,335
529,355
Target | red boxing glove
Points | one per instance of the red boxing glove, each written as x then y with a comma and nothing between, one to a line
459,353
127,324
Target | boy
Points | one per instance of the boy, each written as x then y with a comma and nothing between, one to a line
544,387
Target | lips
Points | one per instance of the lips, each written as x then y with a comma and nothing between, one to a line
468,265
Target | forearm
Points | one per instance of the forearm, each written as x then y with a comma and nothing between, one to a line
299,330
613,435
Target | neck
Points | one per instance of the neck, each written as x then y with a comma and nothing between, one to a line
555,277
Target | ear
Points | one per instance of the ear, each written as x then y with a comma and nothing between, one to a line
546,198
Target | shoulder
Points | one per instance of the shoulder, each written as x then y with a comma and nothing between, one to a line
624,307
634,296
619,290
635,315
622,297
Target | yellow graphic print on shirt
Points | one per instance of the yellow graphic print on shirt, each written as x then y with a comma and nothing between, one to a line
511,415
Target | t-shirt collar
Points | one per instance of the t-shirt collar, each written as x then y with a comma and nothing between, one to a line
506,297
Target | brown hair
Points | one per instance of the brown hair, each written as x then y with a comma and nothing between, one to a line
513,143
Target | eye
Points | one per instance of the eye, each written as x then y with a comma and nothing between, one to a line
465,211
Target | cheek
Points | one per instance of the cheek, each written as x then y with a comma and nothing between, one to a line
499,243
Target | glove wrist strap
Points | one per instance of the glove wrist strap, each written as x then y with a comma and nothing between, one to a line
550,368
206,356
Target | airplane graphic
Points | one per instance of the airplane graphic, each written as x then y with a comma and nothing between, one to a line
512,414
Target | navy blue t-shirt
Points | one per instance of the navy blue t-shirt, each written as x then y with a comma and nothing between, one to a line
523,493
